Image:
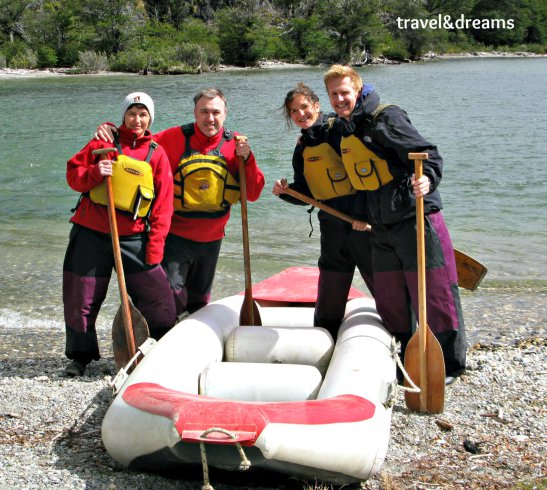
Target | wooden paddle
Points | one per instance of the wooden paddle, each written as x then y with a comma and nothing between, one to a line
470,271
249,314
424,360
320,205
129,325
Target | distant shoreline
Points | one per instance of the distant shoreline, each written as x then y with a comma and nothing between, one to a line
54,72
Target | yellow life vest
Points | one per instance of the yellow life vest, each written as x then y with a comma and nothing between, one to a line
203,183
132,184
325,173
366,170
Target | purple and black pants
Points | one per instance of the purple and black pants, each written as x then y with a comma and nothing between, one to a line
190,268
342,249
394,257
87,269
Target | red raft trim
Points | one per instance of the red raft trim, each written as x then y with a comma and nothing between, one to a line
295,284
194,414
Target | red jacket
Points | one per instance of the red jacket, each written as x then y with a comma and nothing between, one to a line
82,174
174,143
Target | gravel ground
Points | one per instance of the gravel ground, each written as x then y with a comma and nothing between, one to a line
492,434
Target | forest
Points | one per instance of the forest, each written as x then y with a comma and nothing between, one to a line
193,36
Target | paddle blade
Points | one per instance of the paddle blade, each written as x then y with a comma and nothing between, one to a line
122,352
249,314
435,374
470,271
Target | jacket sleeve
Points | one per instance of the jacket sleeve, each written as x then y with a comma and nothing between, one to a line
360,210
403,138
299,184
162,208
82,171
254,178
173,142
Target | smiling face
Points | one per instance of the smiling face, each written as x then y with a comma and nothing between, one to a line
137,119
303,111
342,95
210,115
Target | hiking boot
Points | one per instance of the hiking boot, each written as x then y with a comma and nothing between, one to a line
75,368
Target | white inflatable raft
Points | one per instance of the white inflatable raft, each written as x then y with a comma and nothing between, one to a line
280,396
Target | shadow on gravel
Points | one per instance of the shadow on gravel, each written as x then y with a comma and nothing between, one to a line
32,367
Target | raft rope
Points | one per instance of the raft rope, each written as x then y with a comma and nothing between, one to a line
244,465
413,388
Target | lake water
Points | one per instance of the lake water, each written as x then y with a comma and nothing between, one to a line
487,116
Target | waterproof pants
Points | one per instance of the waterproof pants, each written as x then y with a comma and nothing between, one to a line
394,257
342,249
190,267
87,268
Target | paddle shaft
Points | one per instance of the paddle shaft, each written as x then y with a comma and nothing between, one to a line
422,309
317,204
247,306
126,312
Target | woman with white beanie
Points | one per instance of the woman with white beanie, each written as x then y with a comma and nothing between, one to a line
144,205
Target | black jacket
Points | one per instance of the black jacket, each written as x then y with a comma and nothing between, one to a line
392,136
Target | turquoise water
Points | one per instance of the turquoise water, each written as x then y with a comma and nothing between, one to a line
486,115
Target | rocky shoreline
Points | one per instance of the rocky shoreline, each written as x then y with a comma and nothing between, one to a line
53,72
491,435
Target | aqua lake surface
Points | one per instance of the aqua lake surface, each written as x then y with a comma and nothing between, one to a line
487,116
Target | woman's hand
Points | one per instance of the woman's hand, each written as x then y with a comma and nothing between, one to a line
279,187
360,225
105,167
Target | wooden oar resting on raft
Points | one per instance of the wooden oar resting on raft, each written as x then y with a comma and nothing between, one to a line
249,314
470,271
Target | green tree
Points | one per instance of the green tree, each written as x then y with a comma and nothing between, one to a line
115,22
168,11
176,12
529,18
353,24
454,8
56,32
312,43
233,27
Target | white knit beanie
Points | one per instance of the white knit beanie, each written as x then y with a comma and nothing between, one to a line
139,98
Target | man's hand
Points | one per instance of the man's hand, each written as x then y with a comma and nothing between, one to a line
420,186
104,132
243,149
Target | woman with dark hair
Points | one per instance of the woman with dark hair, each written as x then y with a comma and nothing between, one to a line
319,173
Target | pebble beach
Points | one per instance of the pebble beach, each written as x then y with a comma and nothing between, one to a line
491,435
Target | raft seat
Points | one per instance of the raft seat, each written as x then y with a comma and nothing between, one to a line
250,381
270,364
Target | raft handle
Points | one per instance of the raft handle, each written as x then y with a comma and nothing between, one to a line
244,465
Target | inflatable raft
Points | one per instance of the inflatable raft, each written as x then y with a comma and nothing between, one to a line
282,396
